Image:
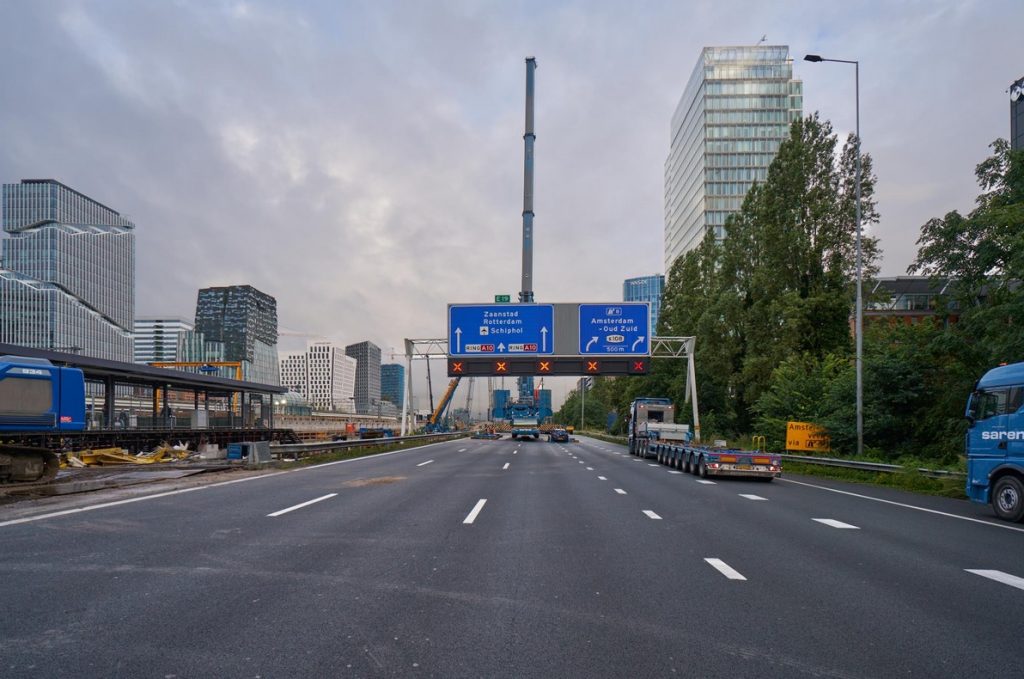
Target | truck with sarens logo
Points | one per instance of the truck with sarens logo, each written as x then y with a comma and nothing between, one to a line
995,441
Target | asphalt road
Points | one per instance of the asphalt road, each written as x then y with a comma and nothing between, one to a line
479,558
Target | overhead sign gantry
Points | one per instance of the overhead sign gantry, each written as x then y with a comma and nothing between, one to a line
610,338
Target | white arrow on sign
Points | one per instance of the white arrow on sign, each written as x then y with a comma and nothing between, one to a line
458,340
593,340
501,347
544,339
639,340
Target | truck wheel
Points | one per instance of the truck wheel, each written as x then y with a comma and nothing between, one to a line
686,463
1008,499
702,469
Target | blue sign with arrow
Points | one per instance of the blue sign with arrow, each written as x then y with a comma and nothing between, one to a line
615,329
500,329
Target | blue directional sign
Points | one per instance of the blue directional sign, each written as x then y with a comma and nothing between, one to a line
500,329
618,328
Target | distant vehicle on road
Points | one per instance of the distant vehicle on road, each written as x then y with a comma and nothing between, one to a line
558,436
995,441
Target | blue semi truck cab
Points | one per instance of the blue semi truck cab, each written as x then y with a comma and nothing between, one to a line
995,441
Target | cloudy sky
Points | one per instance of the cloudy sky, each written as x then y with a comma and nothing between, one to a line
362,161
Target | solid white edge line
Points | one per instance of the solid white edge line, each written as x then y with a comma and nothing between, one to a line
601,478
302,504
753,497
650,514
179,491
901,504
506,465
725,569
471,517
836,524
423,463
620,491
998,576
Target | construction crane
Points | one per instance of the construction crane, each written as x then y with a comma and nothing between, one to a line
469,400
436,423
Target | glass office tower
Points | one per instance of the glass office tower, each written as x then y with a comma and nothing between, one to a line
367,392
67,273
1017,115
392,383
245,321
732,117
646,289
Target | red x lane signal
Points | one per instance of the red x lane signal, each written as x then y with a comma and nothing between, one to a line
544,366
457,367
501,367
592,367
638,366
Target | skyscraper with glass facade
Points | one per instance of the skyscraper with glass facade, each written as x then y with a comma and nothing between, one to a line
367,355
646,289
727,128
245,321
67,272
1017,115
156,339
392,383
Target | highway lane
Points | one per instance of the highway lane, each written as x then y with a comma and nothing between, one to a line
558,574
828,583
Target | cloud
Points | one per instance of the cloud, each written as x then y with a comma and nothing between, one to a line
362,162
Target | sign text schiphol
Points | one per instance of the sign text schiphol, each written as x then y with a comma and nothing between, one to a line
499,330
621,328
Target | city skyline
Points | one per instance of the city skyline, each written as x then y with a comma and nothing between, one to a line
348,196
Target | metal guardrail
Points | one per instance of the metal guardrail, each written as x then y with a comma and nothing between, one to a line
871,466
300,450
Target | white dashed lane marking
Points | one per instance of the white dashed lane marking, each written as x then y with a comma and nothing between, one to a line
423,463
602,478
506,466
303,504
706,482
471,517
725,569
753,497
836,524
999,576
651,515
620,491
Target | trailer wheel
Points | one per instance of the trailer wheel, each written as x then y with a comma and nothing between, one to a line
1008,499
686,464
702,468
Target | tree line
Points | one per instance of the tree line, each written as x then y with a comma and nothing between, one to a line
771,306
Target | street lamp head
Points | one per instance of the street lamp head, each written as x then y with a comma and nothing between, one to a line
813,58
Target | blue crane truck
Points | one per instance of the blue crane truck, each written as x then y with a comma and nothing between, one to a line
995,441
525,420
652,434
36,397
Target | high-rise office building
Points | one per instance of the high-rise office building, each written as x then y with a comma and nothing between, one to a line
646,289
392,383
367,355
1017,115
67,272
323,374
156,339
245,321
735,112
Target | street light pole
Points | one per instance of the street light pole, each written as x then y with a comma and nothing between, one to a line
859,318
